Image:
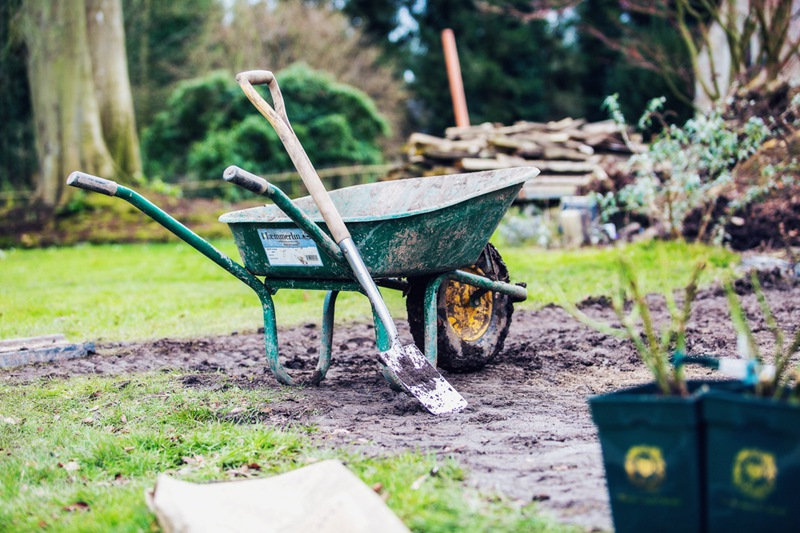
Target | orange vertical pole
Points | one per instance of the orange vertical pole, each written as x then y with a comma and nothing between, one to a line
454,76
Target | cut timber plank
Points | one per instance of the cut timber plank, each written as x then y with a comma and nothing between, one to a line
569,181
27,351
28,343
530,192
565,123
565,167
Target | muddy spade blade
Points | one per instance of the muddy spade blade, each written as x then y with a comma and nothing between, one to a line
417,375
421,379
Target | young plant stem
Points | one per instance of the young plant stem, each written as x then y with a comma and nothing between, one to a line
781,358
659,363
681,319
706,220
778,385
740,322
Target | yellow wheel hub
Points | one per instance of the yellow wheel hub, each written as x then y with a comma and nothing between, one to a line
469,309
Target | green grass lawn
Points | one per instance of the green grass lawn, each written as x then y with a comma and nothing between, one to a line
77,455
146,291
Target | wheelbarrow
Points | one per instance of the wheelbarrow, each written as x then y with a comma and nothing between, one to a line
427,237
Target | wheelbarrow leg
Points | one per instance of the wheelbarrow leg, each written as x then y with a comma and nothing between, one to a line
271,339
431,316
382,340
326,340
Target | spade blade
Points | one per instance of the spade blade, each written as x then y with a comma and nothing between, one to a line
421,379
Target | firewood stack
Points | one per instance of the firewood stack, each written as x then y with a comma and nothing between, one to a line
569,153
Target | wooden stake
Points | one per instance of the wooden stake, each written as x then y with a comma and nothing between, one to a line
454,76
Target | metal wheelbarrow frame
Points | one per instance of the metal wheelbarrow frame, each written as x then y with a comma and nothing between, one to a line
337,278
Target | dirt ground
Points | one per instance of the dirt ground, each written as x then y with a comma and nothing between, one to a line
526,434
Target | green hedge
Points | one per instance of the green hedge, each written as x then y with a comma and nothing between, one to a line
208,124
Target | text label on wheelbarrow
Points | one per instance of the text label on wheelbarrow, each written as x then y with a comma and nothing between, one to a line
289,247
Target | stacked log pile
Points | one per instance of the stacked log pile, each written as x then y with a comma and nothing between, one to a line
569,153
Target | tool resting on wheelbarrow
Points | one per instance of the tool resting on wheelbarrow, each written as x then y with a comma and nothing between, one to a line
427,237
417,375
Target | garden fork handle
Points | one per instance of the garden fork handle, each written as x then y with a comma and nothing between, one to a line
280,122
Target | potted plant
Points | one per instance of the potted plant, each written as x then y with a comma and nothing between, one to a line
651,436
753,438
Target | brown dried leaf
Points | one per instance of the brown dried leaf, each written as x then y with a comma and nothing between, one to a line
77,506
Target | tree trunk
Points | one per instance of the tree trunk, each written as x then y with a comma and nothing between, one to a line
775,51
106,37
82,105
66,113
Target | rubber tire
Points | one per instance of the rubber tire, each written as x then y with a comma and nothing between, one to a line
456,354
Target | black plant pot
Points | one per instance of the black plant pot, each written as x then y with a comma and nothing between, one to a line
653,457
753,463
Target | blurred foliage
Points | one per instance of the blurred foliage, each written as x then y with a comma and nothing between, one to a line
518,62
17,149
160,37
514,68
208,124
511,70
608,70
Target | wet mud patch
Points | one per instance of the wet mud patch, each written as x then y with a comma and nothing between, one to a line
526,434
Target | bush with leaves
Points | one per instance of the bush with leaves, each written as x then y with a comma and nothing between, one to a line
685,168
208,124
529,225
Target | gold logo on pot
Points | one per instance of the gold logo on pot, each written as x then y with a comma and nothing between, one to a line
645,466
754,472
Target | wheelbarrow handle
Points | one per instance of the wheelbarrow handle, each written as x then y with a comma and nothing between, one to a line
246,180
88,182
259,185
280,121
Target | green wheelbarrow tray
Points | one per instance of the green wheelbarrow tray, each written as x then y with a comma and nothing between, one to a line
423,229
403,228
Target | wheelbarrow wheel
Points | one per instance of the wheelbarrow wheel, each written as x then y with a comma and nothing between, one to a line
471,324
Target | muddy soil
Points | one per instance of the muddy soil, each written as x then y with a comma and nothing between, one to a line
526,434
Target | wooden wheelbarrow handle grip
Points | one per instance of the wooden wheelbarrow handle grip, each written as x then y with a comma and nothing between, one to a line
92,183
246,180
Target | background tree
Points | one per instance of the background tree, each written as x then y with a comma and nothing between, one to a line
511,70
752,41
106,35
621,69
66,107
745,42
